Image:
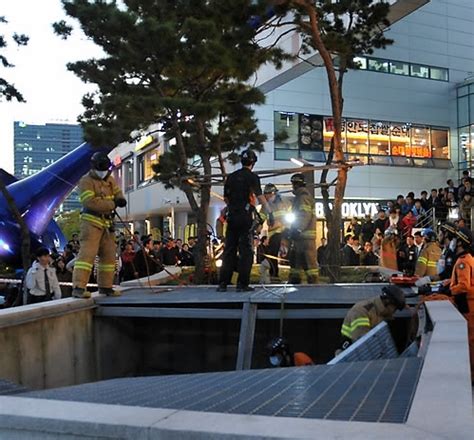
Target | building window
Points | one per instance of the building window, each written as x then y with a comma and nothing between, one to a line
378,65
399,68
419,71
439,143
438,74
373,142
128,175
463,111
361,62
145,164
286,130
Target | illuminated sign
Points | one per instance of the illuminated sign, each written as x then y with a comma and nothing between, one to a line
351,209
143,142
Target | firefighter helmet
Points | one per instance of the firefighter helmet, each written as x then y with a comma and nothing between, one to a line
429,234
248,157
100,161
394,295
270,188
298,179
277,345
464,236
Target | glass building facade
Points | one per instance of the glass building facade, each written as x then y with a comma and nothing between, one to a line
38,146
465,101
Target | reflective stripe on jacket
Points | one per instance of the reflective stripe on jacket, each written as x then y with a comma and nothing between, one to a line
427,263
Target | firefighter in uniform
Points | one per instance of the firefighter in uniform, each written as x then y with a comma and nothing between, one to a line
427,263
280,208
448,256
241,189
99,195
303,233
365,315
462,285
280,355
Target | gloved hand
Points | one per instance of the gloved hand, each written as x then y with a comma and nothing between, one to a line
271,219
120,203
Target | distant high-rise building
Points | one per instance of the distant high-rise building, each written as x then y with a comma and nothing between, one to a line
38,146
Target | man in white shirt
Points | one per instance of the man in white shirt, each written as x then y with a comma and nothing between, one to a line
41,280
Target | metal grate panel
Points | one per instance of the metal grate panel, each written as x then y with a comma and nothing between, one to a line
373,391
376,344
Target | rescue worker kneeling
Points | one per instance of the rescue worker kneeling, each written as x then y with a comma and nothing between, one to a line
365,315
99,195
280,355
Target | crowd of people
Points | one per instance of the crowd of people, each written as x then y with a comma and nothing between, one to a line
397,235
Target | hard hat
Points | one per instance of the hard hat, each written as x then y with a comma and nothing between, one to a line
277,345
298,179
248,157
100,161
464,236
270,188
394,295
429,234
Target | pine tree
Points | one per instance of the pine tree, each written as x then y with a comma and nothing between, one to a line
340,31
182,64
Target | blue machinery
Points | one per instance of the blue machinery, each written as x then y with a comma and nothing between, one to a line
37,198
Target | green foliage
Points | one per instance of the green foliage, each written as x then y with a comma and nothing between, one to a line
183,64
69,223
7,90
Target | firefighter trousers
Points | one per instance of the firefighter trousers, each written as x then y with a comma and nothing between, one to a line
303,258
95,241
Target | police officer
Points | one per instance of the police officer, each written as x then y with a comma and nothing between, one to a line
241,191
366,314
302,233
99,195
462,285
280,208
427,263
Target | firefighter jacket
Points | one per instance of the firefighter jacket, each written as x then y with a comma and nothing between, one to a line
462,279
98,199
303,208
427,264
388,254
362,317
280,207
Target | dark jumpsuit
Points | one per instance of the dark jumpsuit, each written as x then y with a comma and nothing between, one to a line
239,189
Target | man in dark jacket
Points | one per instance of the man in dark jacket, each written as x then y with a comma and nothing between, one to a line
367,257
381,221
349,255
145,264
368,229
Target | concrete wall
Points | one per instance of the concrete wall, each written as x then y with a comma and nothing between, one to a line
48,346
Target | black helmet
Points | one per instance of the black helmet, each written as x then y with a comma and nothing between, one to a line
248,157
298,179
277,345
270,188
449,229
429,234
100,161
394,295
464,236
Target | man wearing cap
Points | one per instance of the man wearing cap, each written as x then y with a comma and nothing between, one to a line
99,195
303,233
280,207
242,189
366,314
41,280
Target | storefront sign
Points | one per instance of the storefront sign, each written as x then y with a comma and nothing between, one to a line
351,209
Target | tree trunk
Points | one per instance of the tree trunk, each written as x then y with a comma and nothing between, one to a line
24,231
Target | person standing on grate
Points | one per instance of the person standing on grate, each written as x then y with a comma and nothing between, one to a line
41,280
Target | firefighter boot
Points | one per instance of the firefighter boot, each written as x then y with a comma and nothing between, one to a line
77,292
109,291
